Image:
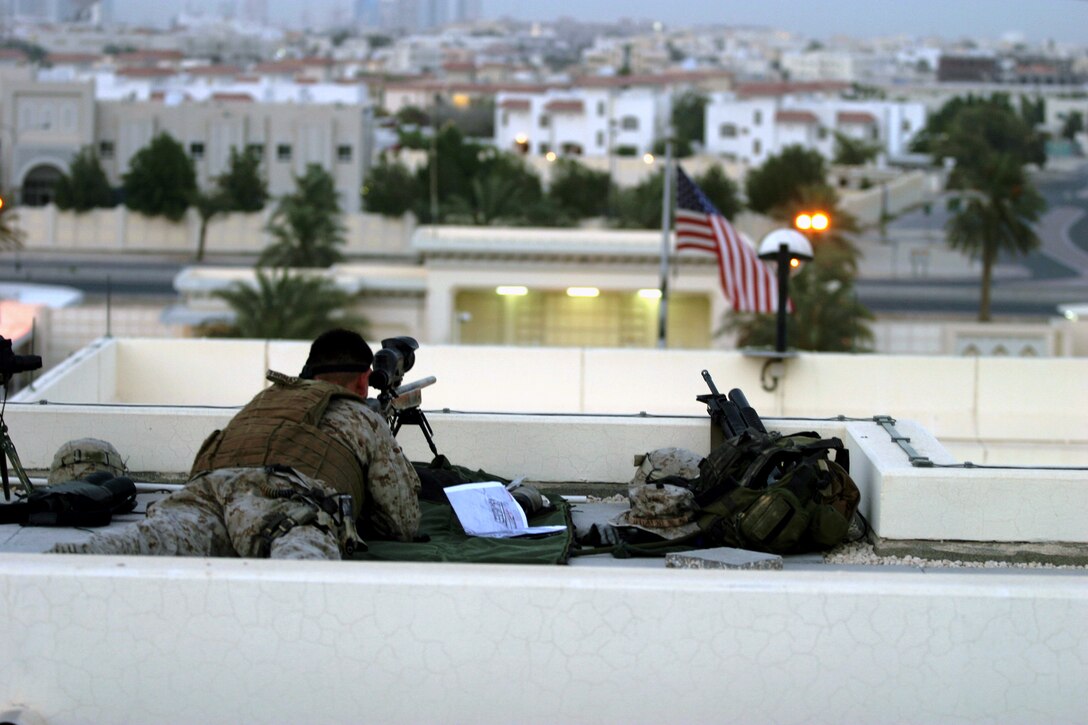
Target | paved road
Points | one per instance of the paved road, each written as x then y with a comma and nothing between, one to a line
135,275
914,271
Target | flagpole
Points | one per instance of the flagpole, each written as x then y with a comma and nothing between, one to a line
666,225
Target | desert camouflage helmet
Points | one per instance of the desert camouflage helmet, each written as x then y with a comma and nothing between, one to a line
657,505
75,459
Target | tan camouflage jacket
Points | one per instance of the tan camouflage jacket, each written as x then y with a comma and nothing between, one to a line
391,507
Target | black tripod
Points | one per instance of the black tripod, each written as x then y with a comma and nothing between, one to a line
9,452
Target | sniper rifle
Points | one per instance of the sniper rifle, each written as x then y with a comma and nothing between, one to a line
397,403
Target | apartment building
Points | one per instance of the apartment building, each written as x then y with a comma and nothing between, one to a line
579,121
596,116
752,124
43,125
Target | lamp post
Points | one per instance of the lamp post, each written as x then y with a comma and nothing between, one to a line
788,248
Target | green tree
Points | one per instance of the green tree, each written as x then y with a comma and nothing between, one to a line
455,163
501,189
947,131
579,190
413,116
978,131
242,185
390,189
85,186
689,120
991,145
779,179
639,206
240,188
306,225
160,180
208,205
1033,111
853,151
1074,124
997,218
827,316
722,191
284,305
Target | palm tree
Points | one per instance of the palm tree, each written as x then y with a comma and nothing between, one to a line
827,316
286,306
306,225
998,217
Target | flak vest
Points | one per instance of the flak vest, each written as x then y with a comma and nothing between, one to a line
279,428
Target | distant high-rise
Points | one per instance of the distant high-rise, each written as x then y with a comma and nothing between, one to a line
365,13
255,11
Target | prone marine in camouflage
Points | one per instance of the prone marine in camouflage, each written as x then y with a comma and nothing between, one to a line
254,492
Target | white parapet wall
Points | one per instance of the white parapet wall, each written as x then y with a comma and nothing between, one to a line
594,410
984,410
145,639
142,639
901,501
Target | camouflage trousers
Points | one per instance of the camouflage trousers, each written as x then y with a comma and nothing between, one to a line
219,514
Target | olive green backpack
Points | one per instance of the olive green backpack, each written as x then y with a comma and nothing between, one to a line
776,493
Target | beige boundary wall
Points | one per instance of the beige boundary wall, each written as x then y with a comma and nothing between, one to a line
121,230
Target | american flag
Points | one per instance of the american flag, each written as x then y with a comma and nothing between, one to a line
748,282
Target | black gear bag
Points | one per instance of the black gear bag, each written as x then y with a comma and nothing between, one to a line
86,502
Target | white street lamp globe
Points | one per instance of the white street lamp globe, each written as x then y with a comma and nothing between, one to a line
796,242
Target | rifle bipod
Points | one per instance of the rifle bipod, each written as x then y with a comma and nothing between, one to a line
415,416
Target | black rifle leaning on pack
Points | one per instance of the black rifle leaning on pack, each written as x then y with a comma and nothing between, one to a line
730,414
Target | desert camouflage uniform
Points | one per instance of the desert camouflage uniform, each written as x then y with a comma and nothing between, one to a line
221,513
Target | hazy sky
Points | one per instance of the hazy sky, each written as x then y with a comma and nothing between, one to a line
1062,20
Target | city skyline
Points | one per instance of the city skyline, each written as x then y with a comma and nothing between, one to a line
1059,20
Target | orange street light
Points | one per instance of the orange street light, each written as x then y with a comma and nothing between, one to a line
812,221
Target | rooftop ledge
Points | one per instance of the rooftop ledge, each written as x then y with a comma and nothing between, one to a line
156,400
267,641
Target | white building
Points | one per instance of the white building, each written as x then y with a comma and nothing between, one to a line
580,121
749,129
43,125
